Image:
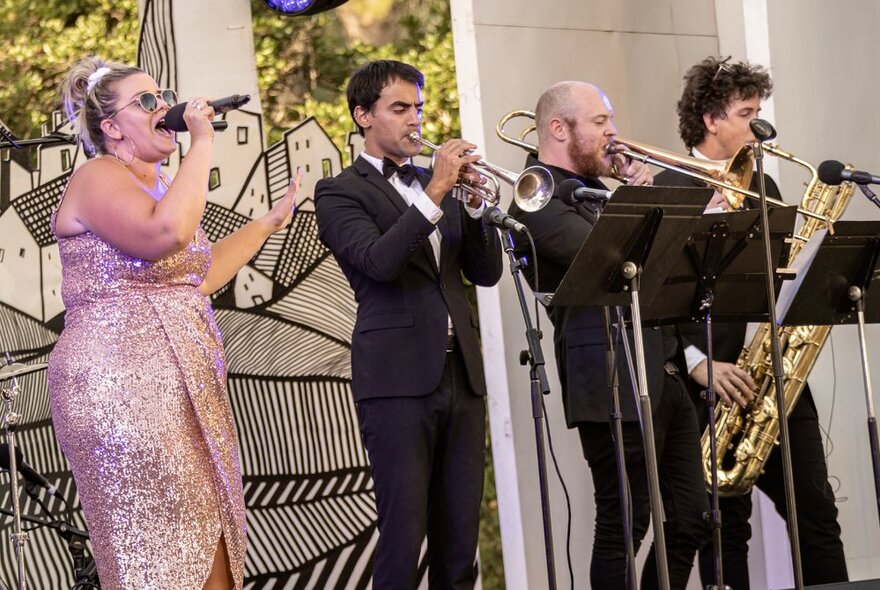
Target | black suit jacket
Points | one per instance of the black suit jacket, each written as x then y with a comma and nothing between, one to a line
404,299
727,337
559,231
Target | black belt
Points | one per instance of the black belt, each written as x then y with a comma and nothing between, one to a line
670,368
450,342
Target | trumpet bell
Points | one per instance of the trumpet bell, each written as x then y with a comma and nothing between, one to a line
533,188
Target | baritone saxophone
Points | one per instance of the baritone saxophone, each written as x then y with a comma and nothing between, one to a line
745,437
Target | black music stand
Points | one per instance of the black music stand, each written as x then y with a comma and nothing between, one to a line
629,251
832,290
719,276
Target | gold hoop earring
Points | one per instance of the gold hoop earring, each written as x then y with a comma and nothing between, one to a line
133,151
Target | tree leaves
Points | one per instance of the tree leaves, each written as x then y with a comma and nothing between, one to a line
40,42
303,63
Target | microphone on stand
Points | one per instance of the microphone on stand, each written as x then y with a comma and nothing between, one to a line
573,191
174,117
762,130
495,216
834,172
26,471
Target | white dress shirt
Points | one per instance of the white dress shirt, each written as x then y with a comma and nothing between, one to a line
415,196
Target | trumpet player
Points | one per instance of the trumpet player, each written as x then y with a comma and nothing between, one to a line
417,374
575,128
718,101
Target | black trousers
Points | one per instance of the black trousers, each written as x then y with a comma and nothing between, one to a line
822,557
681,487
427,456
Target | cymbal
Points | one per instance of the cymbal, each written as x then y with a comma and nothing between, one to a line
16,369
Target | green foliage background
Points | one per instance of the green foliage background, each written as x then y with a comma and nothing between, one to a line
39,41
302,64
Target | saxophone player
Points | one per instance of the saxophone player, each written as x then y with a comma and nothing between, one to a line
718,101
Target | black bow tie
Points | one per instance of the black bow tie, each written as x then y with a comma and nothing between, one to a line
406,172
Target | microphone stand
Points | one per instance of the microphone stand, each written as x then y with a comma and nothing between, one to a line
48,140
9,391
763,131
869,193
83,568
857,293
617,436
630,273
534,357
714,516
10,422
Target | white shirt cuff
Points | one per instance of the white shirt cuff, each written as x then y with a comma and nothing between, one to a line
693,356
423,203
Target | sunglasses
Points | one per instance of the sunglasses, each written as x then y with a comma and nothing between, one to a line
149,101
723,66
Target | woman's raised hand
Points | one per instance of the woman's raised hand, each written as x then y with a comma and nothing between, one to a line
280,215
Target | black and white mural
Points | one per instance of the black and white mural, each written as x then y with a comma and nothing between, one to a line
286,320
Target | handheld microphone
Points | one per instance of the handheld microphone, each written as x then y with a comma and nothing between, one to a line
573,191
174,116
495,216
26,471
762,130
834,172
229,103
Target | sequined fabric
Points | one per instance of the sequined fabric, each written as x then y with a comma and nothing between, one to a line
137,384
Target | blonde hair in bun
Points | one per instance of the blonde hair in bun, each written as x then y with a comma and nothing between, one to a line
88,93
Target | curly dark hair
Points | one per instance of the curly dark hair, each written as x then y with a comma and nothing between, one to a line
709,87
366,84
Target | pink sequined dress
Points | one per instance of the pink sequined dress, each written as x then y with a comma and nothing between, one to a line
137,383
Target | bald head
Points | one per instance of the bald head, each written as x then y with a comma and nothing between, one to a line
562,101
573,121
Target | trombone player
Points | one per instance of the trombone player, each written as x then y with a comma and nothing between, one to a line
718,101
417,374
574,124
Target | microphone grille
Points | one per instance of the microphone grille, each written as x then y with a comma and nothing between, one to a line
566,190
174,118
830,172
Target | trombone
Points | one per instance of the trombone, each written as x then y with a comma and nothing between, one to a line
729,177
532,188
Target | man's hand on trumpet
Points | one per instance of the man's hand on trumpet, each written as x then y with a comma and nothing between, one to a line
451,161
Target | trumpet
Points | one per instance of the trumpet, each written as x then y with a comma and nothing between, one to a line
532,188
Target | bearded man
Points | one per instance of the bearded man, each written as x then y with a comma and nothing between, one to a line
574,122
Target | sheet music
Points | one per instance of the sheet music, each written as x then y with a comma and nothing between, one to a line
801,265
